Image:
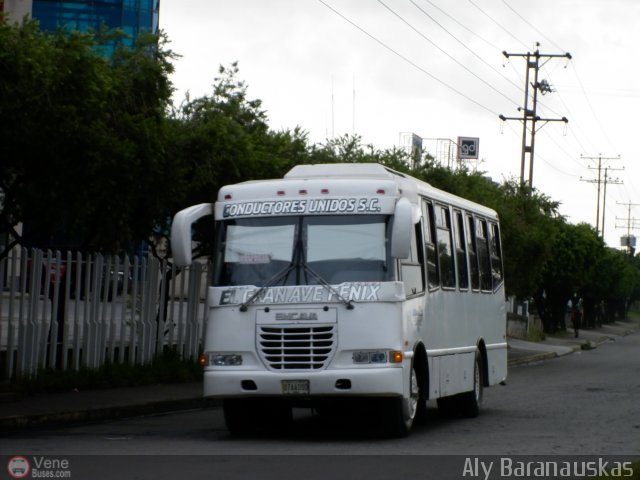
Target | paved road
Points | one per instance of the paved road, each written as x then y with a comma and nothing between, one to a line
586,403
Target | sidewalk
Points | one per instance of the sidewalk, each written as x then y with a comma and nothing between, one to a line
523,352
54,409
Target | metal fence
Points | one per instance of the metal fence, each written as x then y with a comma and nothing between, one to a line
68,310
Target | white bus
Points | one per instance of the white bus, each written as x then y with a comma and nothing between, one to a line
349,281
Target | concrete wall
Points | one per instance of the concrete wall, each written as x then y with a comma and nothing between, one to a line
17,9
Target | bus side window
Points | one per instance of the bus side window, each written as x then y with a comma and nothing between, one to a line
445,251
461,252
484,258
473,253
496,254
433,276
412,268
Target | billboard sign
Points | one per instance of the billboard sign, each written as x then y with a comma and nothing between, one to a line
468,148
628,241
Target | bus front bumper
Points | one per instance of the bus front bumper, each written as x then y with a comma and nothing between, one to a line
384,381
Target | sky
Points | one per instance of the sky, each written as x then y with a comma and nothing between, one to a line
381,69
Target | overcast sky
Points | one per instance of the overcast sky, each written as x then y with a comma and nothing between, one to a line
378,68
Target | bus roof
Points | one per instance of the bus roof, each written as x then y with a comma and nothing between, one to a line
375,170
345,180
337,170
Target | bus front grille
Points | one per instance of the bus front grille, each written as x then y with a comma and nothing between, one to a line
296,348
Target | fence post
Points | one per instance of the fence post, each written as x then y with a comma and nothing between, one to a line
133,334
123,316
91,316
78,322
163,300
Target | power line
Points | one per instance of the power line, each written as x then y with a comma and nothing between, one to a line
577,124
532,26
632,224
601,91
498,24
581,88
463,26
403,20
465,46
529,115
563,150
593,112
410,62
600,181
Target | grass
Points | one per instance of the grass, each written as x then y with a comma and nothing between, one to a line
166,368
535,334
633,315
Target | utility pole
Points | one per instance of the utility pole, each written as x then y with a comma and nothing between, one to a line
630,225
529,111
612,181
599,181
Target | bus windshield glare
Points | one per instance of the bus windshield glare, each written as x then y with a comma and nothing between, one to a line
287,250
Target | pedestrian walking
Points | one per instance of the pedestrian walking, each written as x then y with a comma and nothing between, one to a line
576,313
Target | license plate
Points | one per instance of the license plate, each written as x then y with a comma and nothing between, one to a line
295,387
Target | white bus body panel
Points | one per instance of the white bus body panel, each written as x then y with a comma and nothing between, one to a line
451,325
371,326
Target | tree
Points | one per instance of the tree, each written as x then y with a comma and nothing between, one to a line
614,284
576,250
81,138
224,138
349,149
525,217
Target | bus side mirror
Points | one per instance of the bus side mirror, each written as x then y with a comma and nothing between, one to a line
181,232
402,228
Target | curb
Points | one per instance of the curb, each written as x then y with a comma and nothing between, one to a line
21,422
538,357
591,344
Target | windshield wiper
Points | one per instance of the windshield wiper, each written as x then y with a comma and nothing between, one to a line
269,283
273,280
325,284
298,261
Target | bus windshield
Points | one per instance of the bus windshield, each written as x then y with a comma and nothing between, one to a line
289,250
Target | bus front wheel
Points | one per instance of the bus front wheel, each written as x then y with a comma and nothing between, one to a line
245,416
402,411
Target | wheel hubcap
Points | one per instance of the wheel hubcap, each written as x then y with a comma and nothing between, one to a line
414,395
476,382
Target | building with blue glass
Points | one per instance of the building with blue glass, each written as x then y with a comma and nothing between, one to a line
133,17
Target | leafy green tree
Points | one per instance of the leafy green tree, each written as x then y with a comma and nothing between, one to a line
224,138
349,149
576,251
526,218
613,286
81,137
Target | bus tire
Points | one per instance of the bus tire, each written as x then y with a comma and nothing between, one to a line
239,416
448,406
245,416
402,411
470,402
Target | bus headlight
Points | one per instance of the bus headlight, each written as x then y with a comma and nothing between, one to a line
217,359
374,356
377,356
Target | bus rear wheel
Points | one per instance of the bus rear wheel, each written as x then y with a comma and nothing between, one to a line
465,404
470,402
